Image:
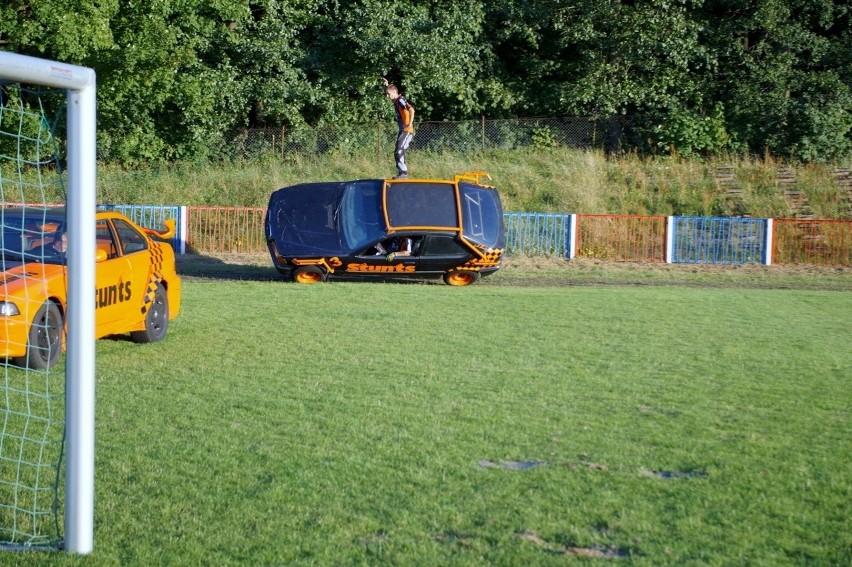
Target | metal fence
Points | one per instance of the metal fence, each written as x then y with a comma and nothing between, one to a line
703,240
622,237
537,234
609,133
820,242
689,240
225,229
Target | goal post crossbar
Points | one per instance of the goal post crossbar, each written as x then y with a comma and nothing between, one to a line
26,69
79,83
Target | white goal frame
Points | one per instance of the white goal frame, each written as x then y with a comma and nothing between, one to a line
79,84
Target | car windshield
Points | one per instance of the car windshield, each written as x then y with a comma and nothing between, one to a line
482,214
359,214
32,235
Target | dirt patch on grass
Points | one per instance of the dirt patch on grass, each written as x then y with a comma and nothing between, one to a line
582,271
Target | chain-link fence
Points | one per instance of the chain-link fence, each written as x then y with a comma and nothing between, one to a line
611,134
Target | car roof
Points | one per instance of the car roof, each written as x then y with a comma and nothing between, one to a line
50,210
420,204
428,204
34,212
53,214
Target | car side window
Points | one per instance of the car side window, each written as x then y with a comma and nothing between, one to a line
442,246
131,240
104,239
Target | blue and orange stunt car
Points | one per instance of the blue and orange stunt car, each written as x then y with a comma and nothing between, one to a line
387,228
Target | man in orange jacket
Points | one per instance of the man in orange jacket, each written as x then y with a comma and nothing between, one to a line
405,119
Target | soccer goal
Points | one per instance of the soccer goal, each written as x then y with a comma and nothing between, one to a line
47,416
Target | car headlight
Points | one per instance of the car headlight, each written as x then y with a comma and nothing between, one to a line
7,309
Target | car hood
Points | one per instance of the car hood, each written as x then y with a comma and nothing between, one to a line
27,279
302,219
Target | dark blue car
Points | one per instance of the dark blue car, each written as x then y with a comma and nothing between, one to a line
387,228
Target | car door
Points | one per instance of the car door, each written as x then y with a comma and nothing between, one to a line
136,248
113,277
440,252
374,260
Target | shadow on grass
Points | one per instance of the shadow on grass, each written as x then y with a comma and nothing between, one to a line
232,268
549,272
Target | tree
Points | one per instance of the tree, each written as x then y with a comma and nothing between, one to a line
267,51
64,30
784,75
165,88
434,50
175,77
613,58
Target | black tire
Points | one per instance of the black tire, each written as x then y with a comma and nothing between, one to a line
309,275
44,339
156,319
461,278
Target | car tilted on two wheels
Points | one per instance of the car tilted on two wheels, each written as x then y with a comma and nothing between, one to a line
387,228
137,287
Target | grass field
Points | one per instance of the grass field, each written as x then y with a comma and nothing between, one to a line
701,419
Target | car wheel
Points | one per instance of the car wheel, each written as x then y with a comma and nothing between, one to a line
44,339
156,319
309,275
461,278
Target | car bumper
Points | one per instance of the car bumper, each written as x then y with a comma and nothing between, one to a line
13,337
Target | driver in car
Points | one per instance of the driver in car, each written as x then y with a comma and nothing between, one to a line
394,247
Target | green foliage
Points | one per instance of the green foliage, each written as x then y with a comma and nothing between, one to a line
465,137
176,77
31,157
67,30
821,121
543,137
688,134
785,76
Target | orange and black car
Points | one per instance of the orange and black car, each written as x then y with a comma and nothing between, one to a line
387,228
137,288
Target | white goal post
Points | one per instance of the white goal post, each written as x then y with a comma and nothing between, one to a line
79,84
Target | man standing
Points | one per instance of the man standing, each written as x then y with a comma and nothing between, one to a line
405,119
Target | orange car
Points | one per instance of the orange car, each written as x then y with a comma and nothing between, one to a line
138,289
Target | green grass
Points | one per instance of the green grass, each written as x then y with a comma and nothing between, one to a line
371,424
556,180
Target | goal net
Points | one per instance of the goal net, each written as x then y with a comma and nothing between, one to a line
47,151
